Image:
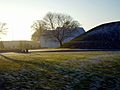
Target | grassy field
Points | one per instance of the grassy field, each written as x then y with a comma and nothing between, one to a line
60,71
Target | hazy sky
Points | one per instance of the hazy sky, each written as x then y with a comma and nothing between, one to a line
20,14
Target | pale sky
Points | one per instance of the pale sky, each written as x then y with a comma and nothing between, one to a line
20,14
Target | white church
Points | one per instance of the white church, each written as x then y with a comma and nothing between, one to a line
46,42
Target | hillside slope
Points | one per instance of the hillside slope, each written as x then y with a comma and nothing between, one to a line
105,36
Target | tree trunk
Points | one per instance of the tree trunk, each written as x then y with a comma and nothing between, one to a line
61,43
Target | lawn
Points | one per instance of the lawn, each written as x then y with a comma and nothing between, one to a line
60,71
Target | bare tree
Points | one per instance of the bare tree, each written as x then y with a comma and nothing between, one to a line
61,26
38,27
3,28
55,20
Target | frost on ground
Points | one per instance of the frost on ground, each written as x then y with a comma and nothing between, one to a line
95,73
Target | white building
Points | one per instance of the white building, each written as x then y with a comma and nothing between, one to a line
46,42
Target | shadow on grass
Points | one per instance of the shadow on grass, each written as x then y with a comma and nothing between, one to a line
47,65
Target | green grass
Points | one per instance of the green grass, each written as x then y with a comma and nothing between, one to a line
78,70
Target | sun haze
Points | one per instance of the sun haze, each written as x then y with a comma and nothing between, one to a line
20,14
